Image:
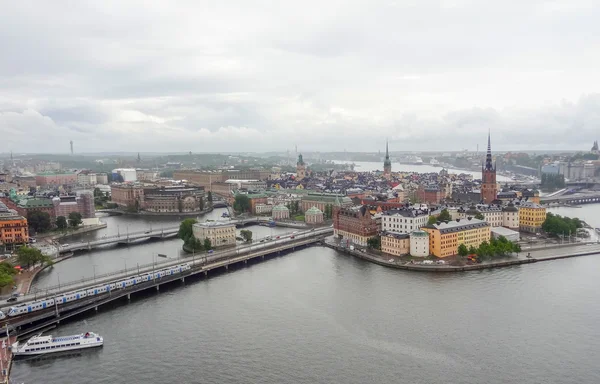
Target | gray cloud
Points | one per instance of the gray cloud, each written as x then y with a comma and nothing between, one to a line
240,76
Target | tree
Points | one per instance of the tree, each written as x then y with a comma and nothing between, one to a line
185,229
479,216
241,203
75,219
374,242
246,235
463,250
207,244
432,220
30,256
61,222
194,244
39,221
444,215
559,226
209,197
7,271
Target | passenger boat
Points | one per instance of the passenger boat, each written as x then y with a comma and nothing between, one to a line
41,345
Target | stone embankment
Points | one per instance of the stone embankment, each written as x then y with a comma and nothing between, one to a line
544,254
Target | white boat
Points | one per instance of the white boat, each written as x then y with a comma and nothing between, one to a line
41,345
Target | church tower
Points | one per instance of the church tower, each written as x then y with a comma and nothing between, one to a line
300,168
489,187
387,163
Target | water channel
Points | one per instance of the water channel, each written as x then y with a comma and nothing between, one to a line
316,316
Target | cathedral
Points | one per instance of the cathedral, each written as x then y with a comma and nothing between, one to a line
489,187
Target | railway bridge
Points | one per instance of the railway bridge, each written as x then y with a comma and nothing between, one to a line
200,266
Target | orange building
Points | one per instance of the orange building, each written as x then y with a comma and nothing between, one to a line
13,228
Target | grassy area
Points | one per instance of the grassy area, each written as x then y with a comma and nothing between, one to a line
299,217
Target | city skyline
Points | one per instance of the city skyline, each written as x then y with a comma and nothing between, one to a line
242,77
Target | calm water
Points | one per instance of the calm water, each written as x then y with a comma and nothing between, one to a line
120,257
316,316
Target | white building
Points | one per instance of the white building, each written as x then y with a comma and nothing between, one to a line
508,233
419,243
403,220
495,215
510,216
220,233
102,178
86,178
248,184
262,209
127,174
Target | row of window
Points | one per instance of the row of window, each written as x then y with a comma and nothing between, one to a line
52,347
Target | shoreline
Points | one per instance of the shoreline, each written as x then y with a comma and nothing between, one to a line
55,236
464,268
147,213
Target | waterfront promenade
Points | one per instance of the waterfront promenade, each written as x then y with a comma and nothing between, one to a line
536,255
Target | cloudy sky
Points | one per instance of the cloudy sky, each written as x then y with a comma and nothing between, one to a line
253,75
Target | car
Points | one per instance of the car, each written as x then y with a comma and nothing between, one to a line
211,251
11,299
292,237
277,237
147,232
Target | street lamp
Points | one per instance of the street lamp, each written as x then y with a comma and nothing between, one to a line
125,260
58,278
94,272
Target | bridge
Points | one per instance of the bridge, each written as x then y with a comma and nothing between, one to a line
576,198
162,233
200,265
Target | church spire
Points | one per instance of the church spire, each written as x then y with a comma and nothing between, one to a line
387,153
488,158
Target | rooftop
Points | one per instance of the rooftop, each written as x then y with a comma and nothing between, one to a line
396,235
215,224
405,212
458,225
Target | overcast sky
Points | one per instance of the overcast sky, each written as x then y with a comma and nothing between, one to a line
253,75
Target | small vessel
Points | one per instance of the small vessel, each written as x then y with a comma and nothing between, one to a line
41,345
597,230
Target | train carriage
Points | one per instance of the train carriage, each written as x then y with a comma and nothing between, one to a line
40,305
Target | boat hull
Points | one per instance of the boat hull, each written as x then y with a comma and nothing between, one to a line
17,353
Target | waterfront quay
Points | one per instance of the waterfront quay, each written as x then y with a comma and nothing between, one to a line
531,256
28,323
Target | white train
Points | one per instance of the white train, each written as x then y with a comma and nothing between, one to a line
63,298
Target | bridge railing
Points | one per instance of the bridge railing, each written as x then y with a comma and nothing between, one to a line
100,277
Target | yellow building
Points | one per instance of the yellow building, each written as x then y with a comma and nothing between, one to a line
395,243
446,237
13,228
531,216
